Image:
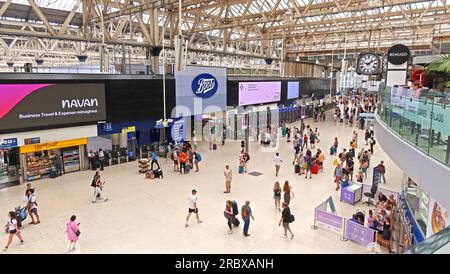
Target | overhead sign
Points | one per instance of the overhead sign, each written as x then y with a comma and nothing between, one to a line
35,105
53,145
129,129
398,54
8,143
30,141
204,85
198,92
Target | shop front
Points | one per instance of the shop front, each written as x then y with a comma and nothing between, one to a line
9,162
39,161
421,215
126,141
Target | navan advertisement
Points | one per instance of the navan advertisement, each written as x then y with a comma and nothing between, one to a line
35,105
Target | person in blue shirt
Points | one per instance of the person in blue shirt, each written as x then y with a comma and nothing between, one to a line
246,213
154,160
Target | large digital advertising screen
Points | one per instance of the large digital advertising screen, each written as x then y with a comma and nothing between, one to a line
36,105
200,90
293,90
259,92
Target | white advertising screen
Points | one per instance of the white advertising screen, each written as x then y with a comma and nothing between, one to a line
293,90
259,92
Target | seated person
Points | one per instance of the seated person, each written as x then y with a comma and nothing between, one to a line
381,198
370,219
392,200
354,218
388,209
386,229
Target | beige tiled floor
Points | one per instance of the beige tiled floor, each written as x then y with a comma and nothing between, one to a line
147,216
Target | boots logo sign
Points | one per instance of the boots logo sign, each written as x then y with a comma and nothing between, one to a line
204,85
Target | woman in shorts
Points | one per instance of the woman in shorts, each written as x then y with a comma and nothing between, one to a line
277,195
12,229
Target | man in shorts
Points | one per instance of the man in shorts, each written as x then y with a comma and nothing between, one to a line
192,207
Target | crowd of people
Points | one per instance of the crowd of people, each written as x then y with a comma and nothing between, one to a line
308,160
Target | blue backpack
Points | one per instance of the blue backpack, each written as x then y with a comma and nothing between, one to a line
23,213
198,158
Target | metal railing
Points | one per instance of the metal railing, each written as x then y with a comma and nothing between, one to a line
421,119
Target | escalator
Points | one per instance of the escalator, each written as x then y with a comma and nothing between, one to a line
439,243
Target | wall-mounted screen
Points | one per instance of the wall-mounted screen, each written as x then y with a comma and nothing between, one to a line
200,90
293,90
259,92
35,105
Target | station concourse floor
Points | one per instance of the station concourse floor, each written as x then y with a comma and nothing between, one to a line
148,216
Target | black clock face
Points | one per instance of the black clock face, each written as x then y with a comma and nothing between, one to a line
368,63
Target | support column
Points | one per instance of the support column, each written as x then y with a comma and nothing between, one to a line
154,35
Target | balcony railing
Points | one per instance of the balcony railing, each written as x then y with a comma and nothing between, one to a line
421,119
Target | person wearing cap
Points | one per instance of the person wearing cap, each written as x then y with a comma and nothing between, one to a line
286,219
192,207
246,213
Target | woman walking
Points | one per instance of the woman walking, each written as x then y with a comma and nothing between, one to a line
73,232
277,195
286,219
287,189
12,229
229,215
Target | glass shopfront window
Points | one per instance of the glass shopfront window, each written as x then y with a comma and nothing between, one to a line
418,201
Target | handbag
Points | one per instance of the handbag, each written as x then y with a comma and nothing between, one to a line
292,218
77,233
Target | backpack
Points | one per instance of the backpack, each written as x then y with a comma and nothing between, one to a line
244,212
23,213
235,208
198,158
93,184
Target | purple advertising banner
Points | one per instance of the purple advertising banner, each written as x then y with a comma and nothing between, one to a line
359,233
329,221
347,196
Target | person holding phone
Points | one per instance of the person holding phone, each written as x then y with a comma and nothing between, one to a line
73,232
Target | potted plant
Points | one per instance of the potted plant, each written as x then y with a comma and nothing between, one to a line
440,68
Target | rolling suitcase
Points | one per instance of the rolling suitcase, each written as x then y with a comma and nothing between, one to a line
235,221
241,169
214,146
315,169
297,169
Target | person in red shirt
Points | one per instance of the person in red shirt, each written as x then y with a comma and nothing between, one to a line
183,159
305,142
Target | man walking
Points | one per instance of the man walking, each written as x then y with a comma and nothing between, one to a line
228,176
382,170
277,160
192,207
246,213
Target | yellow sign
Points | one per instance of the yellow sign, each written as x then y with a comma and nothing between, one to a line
129,129
53,145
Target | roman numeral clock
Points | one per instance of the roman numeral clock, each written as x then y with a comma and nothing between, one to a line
368,63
